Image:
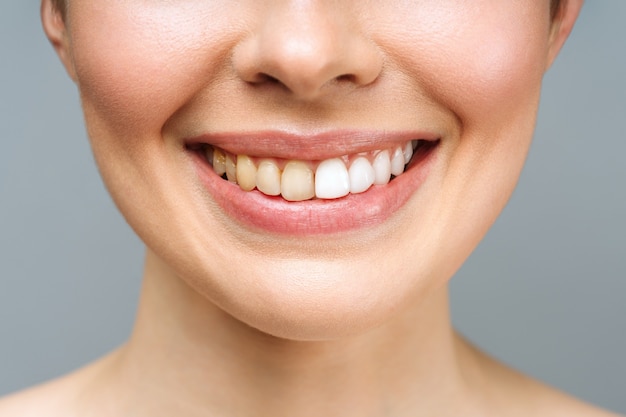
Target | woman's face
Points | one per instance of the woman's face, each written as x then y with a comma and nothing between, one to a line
294,85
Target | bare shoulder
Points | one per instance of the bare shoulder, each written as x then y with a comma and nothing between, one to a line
60,397
507,392
543,400
559,403
51,399
556,404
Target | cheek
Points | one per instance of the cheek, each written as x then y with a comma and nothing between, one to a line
491,78
137,63
477,61
494,73
484,65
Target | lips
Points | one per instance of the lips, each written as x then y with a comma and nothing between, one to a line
309,185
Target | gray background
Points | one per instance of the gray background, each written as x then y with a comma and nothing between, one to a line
545,291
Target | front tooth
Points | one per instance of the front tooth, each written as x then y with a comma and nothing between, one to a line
397,162
408,152
361,175
219,161
297,182
268,177
382,168
246,173
231,169
332,179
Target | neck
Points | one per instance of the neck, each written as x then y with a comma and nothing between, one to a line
188,357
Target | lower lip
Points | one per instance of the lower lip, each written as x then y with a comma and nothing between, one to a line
316,217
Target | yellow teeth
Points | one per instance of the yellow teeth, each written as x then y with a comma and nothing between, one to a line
246,173
297,182
231,169
219,161
301,180
268,177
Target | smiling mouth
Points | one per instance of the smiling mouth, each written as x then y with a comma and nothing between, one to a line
307,185
301,180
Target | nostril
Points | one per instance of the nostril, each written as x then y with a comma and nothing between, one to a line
261,78
347,77
268,78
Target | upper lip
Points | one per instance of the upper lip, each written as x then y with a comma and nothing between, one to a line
317,146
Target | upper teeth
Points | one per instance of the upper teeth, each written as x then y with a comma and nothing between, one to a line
298,180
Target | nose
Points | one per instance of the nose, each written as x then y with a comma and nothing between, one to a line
306,46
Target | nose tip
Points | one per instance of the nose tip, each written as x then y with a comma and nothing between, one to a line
306,51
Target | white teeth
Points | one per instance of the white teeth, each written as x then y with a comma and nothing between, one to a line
382,168
397,162
361,175
408,152
331,179
268,177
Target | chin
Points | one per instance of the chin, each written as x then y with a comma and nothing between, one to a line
312,300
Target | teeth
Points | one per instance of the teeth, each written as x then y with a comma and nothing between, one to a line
332,179
231,169
246,173
397,162
297,180
382,168
297,183
361,175
208,153
219,162
408,151
268,177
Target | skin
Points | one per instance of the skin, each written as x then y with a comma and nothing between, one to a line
238,321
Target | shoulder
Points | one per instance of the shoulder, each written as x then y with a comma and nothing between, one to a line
558,404
47,400
507,392
543,400
61,397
